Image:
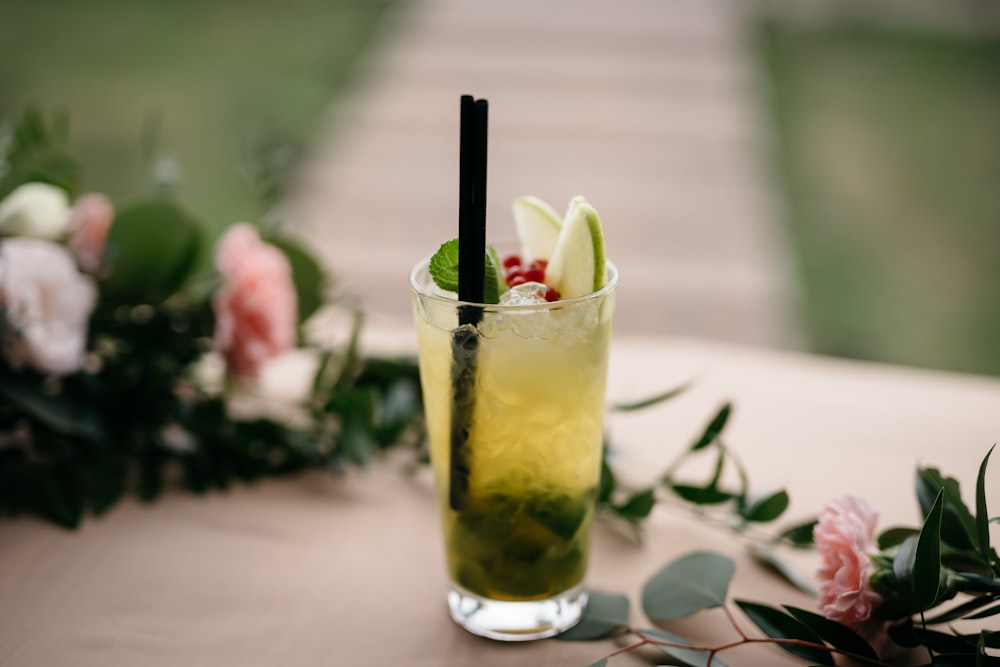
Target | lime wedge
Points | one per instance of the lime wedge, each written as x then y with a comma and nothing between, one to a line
578,265
537,227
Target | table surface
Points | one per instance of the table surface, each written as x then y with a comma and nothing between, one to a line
320,570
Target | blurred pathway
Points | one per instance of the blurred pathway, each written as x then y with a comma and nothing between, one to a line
645,107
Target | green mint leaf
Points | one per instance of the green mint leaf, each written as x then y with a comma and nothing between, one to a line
495,284
443,268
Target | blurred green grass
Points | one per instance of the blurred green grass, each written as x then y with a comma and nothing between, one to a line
889,159
208,77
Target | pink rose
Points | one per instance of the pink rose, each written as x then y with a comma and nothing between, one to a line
256,310
844,536
89,221
45,306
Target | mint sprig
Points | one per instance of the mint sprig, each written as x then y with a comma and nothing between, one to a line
443,268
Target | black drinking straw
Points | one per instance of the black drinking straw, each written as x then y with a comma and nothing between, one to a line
471,287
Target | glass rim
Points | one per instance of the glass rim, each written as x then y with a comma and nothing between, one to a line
425,293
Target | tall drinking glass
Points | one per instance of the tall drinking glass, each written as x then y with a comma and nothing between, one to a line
515,406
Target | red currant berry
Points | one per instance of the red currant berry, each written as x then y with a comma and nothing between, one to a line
533,274
510,261
538,264
551,294
515,274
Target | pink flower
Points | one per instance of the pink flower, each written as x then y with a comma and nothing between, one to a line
256,310
89,221
844,536
45,306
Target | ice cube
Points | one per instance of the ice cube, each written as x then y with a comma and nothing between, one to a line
525,294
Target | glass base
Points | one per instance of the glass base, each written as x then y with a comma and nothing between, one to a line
516,621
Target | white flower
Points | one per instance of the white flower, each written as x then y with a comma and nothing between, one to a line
45,304
38,210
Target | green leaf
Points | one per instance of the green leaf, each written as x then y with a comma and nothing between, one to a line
638,505
108,479
680,655
767,508
835,634
927,560
969,582
701,495
958,526
798,535
779,625
699,580
151,249
608,481
600,663
892,537
605,613
714,428
443,268
964,610
59,495
308,276
64,413
985,613
494,284
982,513
651,401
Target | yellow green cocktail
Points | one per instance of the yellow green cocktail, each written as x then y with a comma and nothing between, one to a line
526,421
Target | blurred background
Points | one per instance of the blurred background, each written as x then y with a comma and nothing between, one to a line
820,176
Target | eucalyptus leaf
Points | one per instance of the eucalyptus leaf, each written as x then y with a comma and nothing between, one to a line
605,613
714,428
927,561
697,581
307,275
151,249
779,625
687,657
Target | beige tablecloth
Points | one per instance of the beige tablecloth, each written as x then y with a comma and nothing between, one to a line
321,570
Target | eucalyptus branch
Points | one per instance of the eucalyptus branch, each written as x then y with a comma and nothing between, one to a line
648,638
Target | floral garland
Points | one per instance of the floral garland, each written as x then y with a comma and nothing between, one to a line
110,331
108,334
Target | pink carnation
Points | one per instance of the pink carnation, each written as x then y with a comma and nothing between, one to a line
256,309
844,537
89,222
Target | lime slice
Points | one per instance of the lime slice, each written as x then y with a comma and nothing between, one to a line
537,227
578,265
